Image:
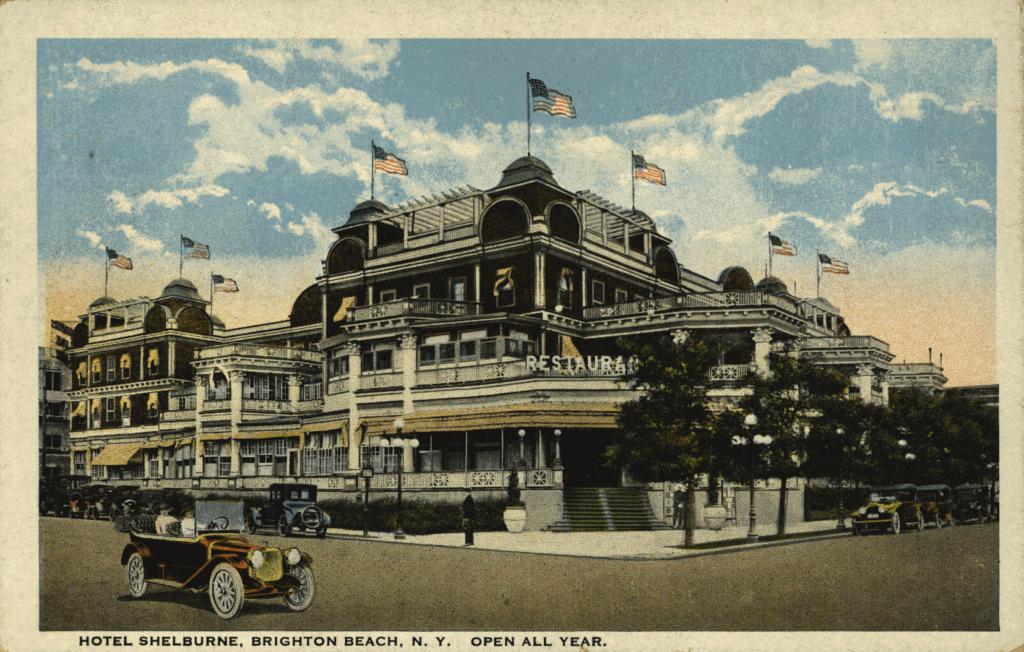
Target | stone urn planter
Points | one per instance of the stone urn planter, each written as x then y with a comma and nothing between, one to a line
515,518
714,517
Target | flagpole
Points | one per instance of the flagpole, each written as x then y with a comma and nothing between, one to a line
106,275
529,120
211,294
181,254
770,253
817,273
632,177
373,168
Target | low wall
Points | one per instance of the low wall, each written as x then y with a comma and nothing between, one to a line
766,504
543,507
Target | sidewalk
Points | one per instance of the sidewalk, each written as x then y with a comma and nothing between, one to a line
658,544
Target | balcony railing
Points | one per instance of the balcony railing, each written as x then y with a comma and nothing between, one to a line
380,380
259,351
692,301
214,406
337,386
265,405
175,416
730,372
472,373
853,342
425,239
425,307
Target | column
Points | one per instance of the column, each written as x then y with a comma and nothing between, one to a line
407,348
865,374
142,362
197,459
372,237
355,439
88,456
476,282
407,456
538,280
762,347
405,231
625,238
584,288
147,455
170,358
294,389
541,462
885,389
235,378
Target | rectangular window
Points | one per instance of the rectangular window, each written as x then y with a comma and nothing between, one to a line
457,288
126,414
428,354
467,349
110,411
388,295
97,370
421,291
79,462
488,349
126,372
383,360
111,368
338,364
621,296
152,408
377,360
446,352
597,292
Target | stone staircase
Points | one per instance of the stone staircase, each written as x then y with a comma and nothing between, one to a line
606,509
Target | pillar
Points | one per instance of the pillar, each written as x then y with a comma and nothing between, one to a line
355,435
407,456
407,348
294,389
88,457
170,358
235,378
885,390
538,280
584,288
541,462
476,282
762,347
865,374
197,458
147,455
372,237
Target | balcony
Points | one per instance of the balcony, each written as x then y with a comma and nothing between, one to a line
177,416
853,342
730,373
379,380
259,351
415,307
693,301
425,239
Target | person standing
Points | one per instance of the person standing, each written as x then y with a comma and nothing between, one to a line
468,516
678,506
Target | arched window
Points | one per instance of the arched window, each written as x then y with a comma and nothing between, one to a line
194,320
156,320
504,219
346,256
563,223
665,266
307,307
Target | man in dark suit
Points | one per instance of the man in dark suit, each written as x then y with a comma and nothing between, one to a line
469,516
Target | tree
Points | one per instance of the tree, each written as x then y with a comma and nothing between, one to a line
665,432
781,401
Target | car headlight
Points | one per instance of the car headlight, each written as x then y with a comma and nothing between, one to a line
862,510
256,558
293,556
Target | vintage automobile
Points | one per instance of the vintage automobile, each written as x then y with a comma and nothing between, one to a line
973,503
97,499
289,507
123,501
889,509
936,504
206,553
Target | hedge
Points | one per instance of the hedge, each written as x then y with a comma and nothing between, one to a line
418,516
820,502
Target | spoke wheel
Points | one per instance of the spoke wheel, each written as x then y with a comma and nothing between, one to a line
226,592
284,528
920,522
938,521
896,524
302,596
135,570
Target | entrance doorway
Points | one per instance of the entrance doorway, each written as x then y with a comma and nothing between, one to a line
583,459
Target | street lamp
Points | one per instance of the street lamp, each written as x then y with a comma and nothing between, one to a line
840,513
750,422
398,442
366,473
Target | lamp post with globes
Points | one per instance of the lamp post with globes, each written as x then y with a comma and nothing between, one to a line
840,512
750,441
398,442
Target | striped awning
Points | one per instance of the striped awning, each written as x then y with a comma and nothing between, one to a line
269,434
339,425
214,436
379,426
168,443
118,455
528,415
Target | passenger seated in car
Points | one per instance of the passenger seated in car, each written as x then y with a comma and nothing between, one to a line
188,523
167,525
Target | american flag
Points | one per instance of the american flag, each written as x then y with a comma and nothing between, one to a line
781,247
551,101
387,162
196,249
117,260
647,171
221,284
831,265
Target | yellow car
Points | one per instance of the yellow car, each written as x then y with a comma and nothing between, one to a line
891,508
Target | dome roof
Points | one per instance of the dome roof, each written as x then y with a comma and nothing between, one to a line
772,285
102,301
735,278
180,288
525,169
364,210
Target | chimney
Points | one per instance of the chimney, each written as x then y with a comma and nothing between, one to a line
929,355
940,360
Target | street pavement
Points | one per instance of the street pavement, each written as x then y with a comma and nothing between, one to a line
936,580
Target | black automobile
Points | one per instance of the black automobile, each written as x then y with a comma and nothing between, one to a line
98,498
124,501
973,503
891,508
936,504
290,507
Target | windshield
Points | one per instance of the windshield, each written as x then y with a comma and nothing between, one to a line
889,495
931,494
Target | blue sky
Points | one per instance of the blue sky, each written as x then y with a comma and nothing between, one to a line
881,153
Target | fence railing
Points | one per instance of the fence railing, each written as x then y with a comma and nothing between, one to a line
380,380
730,372
852,342
215,406
259,351
472,373
692,301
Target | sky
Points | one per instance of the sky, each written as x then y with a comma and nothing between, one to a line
879,153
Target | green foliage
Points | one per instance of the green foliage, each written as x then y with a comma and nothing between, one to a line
418,516
820,502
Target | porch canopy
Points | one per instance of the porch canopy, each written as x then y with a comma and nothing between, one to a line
526,415
118,455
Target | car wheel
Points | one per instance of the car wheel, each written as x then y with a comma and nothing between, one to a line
250,526
226,591
322,532
135,570
302,596
920,523
938,521
112,514
896,524
284,528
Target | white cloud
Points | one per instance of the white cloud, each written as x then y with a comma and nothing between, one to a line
129,72
794,176
250,202
977,203
362,58
855,167
910,106
822,43
313,227
871,52
272,211
119,202
94,238
139,240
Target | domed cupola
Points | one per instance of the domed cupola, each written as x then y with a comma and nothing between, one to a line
364,210
102,301
772,285
527,168
181,288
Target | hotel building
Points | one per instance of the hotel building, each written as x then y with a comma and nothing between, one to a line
486,319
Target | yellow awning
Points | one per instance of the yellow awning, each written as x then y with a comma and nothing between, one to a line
97,403
347,303
79,410
269,434
538,415
379,426
214,436
97,366
168,443
82,371
117,454
126,360
330,426
126,400
154,357
569,348
152,401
